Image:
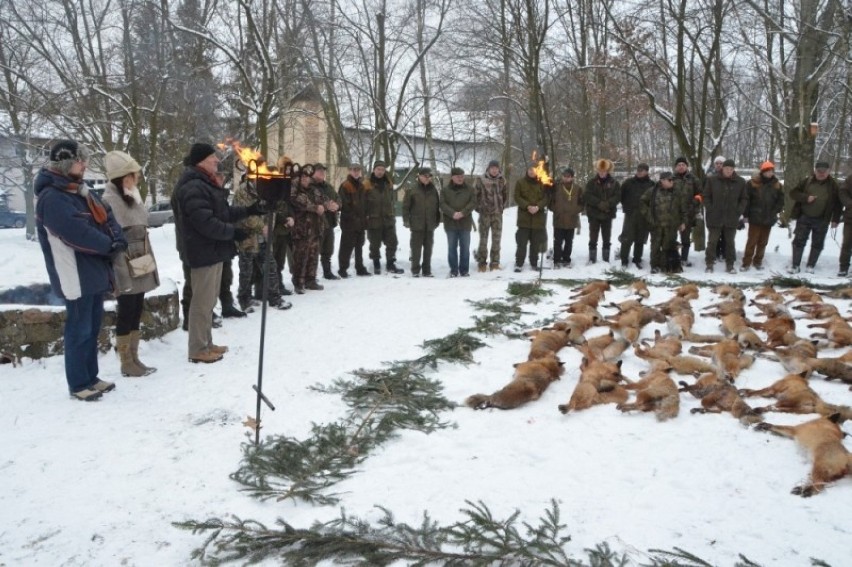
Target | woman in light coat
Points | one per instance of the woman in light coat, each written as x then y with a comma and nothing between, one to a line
132,280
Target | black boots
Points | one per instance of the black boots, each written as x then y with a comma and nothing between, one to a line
377,267
326,270
392,269
230,310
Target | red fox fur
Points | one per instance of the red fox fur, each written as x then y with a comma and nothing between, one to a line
793,394
822,438
546,342
593,286
640,288
837,331
599,384
656,392
718,395
530,380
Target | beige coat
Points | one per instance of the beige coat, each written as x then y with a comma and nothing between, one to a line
134,223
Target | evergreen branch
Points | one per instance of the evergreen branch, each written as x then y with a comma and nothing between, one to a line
529,292
457,347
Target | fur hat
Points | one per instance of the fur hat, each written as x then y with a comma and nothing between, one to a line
567,171
604,165
456,171
283,162
643,166
681,159
719,159
64,153
766,166
666,175
729,163
118,164
198,153
354,167
424,171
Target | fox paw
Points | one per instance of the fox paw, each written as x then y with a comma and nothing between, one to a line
563,408
805,491
697,410
763,426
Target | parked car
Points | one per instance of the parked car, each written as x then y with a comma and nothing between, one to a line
160,213
14,219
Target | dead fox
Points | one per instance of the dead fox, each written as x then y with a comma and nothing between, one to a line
731,292
576,324
718,395
592,286
607,351
583,309
546,342
664,345
600,383
793,394
629,324
724,308
822,438
769,293
837,331
655,392
530,380
640,288
727,357
844,293
735,326
803,294
687,291
818,310
674,306
832,368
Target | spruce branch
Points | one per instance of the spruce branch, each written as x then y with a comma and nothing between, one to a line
528,292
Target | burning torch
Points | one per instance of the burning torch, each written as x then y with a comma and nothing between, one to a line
547,184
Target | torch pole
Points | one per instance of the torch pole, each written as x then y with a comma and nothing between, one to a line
264,300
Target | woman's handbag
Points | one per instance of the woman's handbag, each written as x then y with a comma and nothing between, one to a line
142,265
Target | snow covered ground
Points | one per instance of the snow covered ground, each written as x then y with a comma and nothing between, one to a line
100,483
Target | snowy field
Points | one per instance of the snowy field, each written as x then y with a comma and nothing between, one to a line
100,483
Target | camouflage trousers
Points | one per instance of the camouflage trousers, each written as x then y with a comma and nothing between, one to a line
492,223
663,240
254,266
306,253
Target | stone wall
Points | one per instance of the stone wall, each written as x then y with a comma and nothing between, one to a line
38,332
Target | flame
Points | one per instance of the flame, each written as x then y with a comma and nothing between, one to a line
541,171
253,160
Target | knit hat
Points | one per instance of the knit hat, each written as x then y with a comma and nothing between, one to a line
666,175
719,159
567,171
681,159
355,167
493,163
456,171
767,165
318,166
424,171
643,167
603,165
822,165
64,153
379,163
198,153
118,164
729,163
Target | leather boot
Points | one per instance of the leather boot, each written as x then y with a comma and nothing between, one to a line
605,255
593,255
377,267
128,365
326,270
134,351
797,256
230,310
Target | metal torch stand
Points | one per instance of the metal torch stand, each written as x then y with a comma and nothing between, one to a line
264,301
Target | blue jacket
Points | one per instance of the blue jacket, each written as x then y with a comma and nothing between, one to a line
77,250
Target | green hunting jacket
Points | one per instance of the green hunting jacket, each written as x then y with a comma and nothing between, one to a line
421,207
529,192
458,198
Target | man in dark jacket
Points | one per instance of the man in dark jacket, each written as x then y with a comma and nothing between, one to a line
381,219
457,204
205,223
566,204
725,201
634,232
665,211
421,213
845,195
332,206
687,186
353,222
601,198
816,204
765,201
531,198
78,237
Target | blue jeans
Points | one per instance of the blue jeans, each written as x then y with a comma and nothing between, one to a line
458,242
82,325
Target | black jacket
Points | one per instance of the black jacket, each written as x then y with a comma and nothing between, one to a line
631,193
204,220
765,200
725,200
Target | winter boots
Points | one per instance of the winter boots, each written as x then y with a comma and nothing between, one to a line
482,267
230,310
326,270
392,269
128,365
134,352
593,255
605,254
377,267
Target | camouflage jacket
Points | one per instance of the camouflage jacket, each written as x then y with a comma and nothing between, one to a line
492,194
305,202
664,208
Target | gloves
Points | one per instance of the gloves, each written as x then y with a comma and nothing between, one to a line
240,234
255,209
117,248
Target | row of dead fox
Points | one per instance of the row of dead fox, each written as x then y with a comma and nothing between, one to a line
719,361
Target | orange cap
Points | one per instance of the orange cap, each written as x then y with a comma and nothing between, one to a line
766,165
